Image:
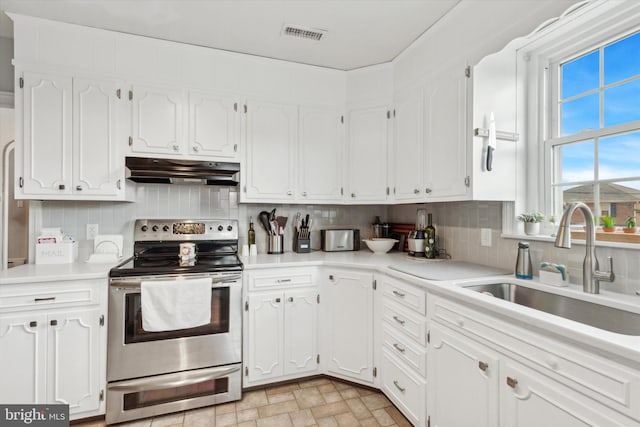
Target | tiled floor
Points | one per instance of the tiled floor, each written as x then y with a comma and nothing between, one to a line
319,402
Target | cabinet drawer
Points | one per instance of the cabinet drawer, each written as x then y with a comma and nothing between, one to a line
602,379
406,350
48,298
280,278
404,320
405,295
406,389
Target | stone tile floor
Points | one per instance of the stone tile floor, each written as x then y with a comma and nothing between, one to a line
320,402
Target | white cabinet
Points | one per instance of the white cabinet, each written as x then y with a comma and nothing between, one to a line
446,135
408,158
368,154
57,339
281,328
270,152
462,375
157,120
214,126
70,134
347,324
320,154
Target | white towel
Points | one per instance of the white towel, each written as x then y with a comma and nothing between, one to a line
168,305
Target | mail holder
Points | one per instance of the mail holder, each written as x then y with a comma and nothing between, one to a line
301,246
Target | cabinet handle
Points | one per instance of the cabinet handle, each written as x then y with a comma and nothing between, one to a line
277,300
402,322
33,324
290,299
395,383
416,191
21,182
483,366
512,382
331,277
353,195
44,299
398,294
304,194
119,184
235,148
78,187
176,147
61,187
427,190
54,322
289,193
283,280
196,149
400,349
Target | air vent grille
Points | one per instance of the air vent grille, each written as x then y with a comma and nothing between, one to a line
302,32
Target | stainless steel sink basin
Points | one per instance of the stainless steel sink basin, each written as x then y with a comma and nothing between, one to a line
599,316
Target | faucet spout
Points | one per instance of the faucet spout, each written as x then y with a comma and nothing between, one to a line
591,277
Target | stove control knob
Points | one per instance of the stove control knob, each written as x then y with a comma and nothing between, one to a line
229,228
165,228
154,228
220,228
144,228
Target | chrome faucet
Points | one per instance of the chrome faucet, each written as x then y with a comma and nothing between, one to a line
591,277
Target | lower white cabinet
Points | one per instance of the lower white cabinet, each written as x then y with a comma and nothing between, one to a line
282,335
53,343
347,324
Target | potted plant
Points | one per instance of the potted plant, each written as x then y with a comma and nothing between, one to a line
630,225
531,222
608,224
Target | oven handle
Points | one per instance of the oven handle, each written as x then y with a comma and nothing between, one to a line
184,379
216,282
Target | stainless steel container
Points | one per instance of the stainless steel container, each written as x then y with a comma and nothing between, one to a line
340,240
523,262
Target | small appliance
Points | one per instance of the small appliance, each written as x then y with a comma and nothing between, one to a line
340,240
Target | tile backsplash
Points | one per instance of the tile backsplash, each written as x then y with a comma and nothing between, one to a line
458,225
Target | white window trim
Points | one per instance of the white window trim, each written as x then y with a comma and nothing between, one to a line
581,27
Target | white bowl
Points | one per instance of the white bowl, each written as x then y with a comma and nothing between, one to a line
380,245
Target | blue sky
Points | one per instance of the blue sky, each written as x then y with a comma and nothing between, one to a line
618,155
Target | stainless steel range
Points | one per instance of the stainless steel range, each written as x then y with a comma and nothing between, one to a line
151,371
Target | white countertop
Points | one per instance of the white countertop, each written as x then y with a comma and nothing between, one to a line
34,273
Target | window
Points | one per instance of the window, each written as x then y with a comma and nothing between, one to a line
594,143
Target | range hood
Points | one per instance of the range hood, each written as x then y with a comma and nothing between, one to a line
173,171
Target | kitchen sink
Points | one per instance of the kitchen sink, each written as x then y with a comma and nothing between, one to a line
597,315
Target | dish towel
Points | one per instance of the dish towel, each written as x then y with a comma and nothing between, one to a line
168,305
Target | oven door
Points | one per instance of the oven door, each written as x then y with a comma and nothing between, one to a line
161,394
134,353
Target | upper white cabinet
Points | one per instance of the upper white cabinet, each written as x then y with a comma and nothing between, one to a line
368,154
271,145
446,135
70,133
214,126
157,120
347,324
408,163
321,154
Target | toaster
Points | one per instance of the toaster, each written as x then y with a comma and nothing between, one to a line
336,240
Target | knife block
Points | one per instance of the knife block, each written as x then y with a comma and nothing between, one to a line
301,246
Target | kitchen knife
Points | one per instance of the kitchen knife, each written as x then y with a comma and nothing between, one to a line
491,144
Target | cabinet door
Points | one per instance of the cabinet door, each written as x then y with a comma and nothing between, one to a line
347,320
529,398
97,166
266,336
368,154
47,135
408,159
214,126
300,331
271,139
463,376
74,348
445,114
157,120
320,154
23,358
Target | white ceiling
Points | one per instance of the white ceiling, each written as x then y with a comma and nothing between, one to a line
359,32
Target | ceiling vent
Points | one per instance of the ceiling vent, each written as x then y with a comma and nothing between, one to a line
303,32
